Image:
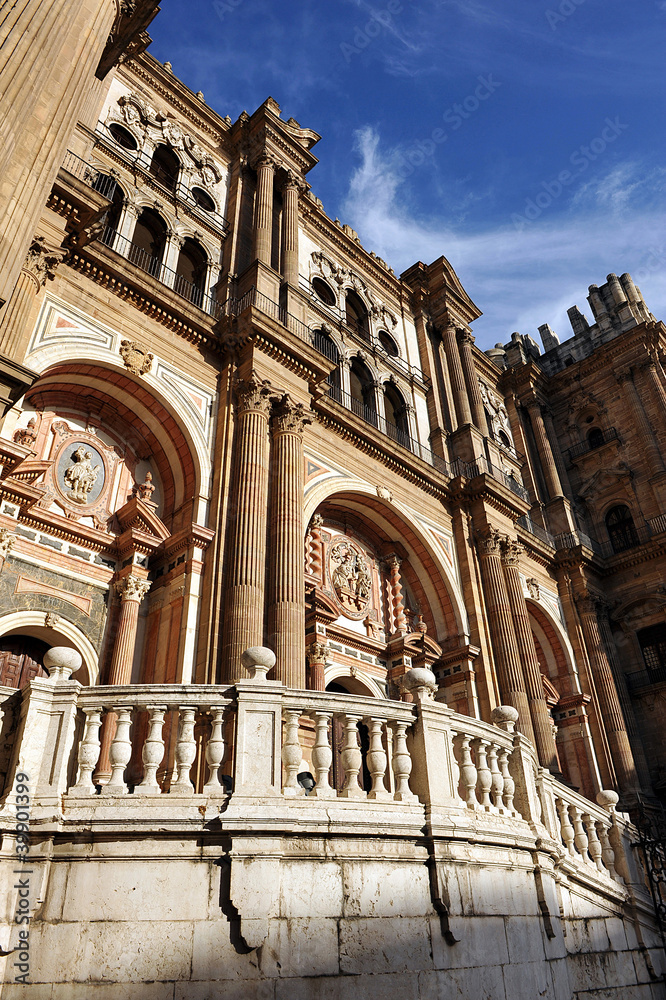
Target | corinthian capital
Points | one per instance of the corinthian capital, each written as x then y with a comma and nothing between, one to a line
42,260
317,652
489,541
511,551
132,588
290,417
254,394
466,337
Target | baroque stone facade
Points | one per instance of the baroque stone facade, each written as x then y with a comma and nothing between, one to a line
295,532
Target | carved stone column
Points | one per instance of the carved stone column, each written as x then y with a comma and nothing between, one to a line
500,625
397,605
246,580
458,387
316,549
647,436
609,703
546,457
625,700
541,718
557,454
466,340
263,210
39,266
290,267
131,591
317,653
654,384
287,599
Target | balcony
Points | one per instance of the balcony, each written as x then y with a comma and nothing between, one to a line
156,269
104,184
528,524
602,438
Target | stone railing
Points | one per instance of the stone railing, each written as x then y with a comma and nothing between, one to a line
257,746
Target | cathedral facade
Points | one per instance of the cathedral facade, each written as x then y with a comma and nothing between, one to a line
332,648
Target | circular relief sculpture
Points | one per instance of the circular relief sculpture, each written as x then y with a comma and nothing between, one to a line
351,578
81,473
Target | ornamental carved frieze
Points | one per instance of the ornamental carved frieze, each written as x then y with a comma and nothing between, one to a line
350,577
136,359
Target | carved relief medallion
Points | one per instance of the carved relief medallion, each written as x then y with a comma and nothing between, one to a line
137,360
80,473
350,577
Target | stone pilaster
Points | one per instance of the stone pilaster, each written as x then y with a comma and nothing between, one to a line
290,266
287,598
500,625
541,719
246,580
40,265
545,452
317,653
458,387
609,703
465,341
647,436
263,210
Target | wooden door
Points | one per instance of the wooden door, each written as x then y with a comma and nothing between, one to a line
21,659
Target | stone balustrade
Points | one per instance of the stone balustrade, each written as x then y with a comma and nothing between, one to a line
242,745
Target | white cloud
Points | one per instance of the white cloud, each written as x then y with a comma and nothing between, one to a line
520,279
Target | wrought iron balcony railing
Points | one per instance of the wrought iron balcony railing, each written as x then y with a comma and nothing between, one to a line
105,184
601,438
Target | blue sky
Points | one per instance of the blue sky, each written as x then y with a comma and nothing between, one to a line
522,140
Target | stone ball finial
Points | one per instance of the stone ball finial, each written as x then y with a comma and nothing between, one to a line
258,660
607,799
505,717
421,683
61,662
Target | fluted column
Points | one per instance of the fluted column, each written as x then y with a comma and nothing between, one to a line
290,267
502,634
466,340
544,449
647,437
625,700
458,387
557,454
317,653
609,703
246,581
131,590
541,719
653,384
263,210
287,599
15,326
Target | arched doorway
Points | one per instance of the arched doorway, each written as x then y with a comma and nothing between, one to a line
21,660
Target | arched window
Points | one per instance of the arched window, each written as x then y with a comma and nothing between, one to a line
165,166
362,389
191,271
323,292
595,437
108,187
621,529
123,136
504,440
148,242
357,315
326,346
397,424
203,199
388,343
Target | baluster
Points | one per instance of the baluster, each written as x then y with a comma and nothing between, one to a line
607,852
565,826
88,752
120,753
322,757
580,837
496,779
468,772
351,759
594,847
153,752
215,750
291,753
401,763
376,759
485,777
186,751
509,783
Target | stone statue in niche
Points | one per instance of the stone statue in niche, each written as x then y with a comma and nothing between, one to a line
81,476
351,577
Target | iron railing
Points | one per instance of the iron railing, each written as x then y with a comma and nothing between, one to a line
165,275
105,184
528,524
609,434
482,466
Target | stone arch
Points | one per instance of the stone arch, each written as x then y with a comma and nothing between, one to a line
362,684
62,633
434,581
552,640
137,413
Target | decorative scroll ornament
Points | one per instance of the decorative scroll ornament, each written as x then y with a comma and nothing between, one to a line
254,394
489,541
81,475
137,360
350,577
